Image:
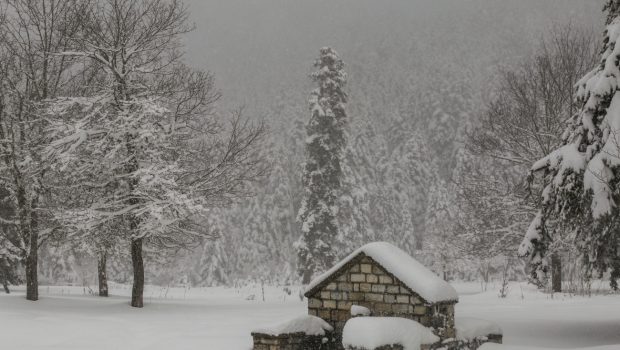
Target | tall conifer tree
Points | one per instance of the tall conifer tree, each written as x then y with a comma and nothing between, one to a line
322,171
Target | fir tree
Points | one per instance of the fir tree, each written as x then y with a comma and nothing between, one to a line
583,175
322,175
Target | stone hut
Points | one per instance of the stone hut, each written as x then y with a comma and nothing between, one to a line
384,286
387,281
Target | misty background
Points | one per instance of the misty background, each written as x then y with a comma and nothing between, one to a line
420,76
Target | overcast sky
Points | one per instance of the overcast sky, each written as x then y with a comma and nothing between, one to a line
256,47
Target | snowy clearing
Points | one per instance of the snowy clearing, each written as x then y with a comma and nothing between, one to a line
69,318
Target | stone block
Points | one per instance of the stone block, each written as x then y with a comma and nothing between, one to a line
326,294
402,299
324,314
356,296
344,305
342,278
355,268
345,286
377,270
382,308
400,308
420,310
393,290
331,286
340,315
313,312
315,303
343,315
389,298
386,279
365,287
358,277
372,278
366,268
373,297
378,288
329,304
356,287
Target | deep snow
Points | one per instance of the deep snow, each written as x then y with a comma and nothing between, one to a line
68,318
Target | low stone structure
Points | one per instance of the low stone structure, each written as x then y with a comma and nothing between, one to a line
302,333
291,341
362,279
380,280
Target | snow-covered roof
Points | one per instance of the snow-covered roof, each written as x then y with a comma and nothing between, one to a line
374,332
405,268
310,325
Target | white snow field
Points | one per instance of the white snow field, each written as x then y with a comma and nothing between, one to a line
68,318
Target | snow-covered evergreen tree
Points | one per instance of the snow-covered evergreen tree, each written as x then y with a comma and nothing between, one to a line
322,175
583,175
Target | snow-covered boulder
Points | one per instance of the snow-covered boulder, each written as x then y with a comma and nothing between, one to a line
369,333
473,328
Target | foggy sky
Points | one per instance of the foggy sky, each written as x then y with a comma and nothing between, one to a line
257,47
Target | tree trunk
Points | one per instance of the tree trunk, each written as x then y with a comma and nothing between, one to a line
32,283
103,276
5,272
307,276
32,260
556,273
138,273
5,284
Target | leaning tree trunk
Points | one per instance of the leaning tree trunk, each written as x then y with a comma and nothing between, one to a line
138,273
556,273
102,274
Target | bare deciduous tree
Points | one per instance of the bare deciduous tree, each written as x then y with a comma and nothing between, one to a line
146,138
30,31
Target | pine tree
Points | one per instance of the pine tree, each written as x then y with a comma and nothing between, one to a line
322,175
583,175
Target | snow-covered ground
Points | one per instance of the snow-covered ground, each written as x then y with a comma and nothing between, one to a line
221,318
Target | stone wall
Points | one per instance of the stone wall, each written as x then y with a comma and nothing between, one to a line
364,282
292,341
472,344
451,344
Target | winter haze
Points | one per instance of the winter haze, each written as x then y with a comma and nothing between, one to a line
239,174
